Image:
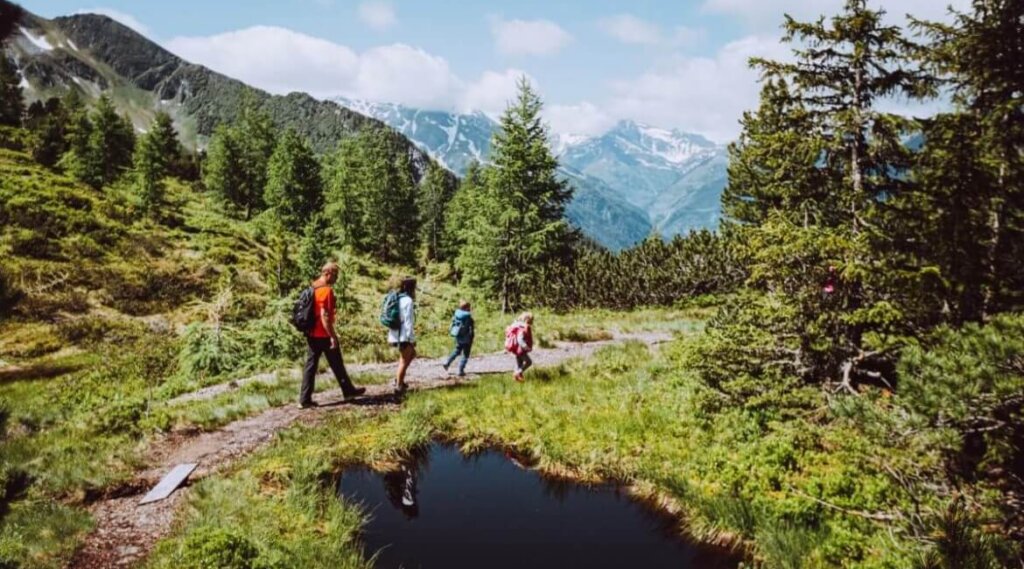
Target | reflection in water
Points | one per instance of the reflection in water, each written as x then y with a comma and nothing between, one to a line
400,486
441,509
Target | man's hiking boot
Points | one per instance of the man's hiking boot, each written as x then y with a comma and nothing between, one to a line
445,366
400,389
308,405
354,392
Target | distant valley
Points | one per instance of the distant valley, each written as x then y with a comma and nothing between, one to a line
638,177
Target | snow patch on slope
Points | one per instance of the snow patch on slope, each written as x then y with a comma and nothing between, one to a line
39,41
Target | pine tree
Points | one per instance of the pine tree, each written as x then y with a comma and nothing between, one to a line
49,122
150,169
461,210
78,132
255,136
372,195
12,106
166,140
111,145
344,192
521,225
841,71
979,57
317,245
774,166
222,172
941,222
436,193
294,187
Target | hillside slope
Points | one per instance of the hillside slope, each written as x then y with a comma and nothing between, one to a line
95,54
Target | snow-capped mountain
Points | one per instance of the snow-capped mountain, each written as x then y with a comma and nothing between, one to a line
674,179
455,140
657,170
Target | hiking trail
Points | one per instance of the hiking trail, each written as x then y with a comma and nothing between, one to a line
125,532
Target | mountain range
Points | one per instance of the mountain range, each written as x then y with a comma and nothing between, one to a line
95,55
629,182
636,176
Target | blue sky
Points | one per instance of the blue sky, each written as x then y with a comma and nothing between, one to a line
672,63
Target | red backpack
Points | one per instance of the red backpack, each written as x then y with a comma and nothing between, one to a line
512,338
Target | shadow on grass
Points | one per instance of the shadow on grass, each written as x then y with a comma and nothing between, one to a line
38,371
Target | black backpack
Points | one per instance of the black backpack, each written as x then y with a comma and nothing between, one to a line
303,317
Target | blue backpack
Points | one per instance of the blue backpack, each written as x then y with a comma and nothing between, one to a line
390,315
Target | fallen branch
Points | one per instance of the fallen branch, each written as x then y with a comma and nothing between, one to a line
873,516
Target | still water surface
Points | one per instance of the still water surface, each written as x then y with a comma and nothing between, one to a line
444,510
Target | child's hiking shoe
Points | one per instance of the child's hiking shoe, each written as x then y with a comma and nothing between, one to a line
518,376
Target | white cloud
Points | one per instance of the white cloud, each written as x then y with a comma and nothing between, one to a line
122,17
768,15
528,37
280,60
492,91
706,95
272,58
400,73
378,14
630,29
583,118
685,36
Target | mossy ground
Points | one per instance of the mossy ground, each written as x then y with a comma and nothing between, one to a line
97,305
628,414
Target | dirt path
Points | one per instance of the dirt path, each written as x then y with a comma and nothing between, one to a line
125,532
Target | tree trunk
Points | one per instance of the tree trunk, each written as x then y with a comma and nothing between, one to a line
855,152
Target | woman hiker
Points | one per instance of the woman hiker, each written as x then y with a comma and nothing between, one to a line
403,336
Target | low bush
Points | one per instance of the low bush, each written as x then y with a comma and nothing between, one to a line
217,548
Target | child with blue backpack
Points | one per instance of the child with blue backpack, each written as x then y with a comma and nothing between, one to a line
462,331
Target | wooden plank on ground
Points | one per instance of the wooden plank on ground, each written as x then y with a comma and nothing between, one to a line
169,483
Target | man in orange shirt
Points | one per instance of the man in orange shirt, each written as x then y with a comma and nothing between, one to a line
323,339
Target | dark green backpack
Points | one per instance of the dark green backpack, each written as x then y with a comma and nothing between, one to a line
390,316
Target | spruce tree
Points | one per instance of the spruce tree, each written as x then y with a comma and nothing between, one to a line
774,166
461,210
222,171
111,145
49,122
150,169
166,140
979,57
521,225
435,196
317,245
12,106
78,131
256,139
372,195
344,192
842,69
294,188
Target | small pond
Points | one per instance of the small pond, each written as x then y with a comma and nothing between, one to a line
445,510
